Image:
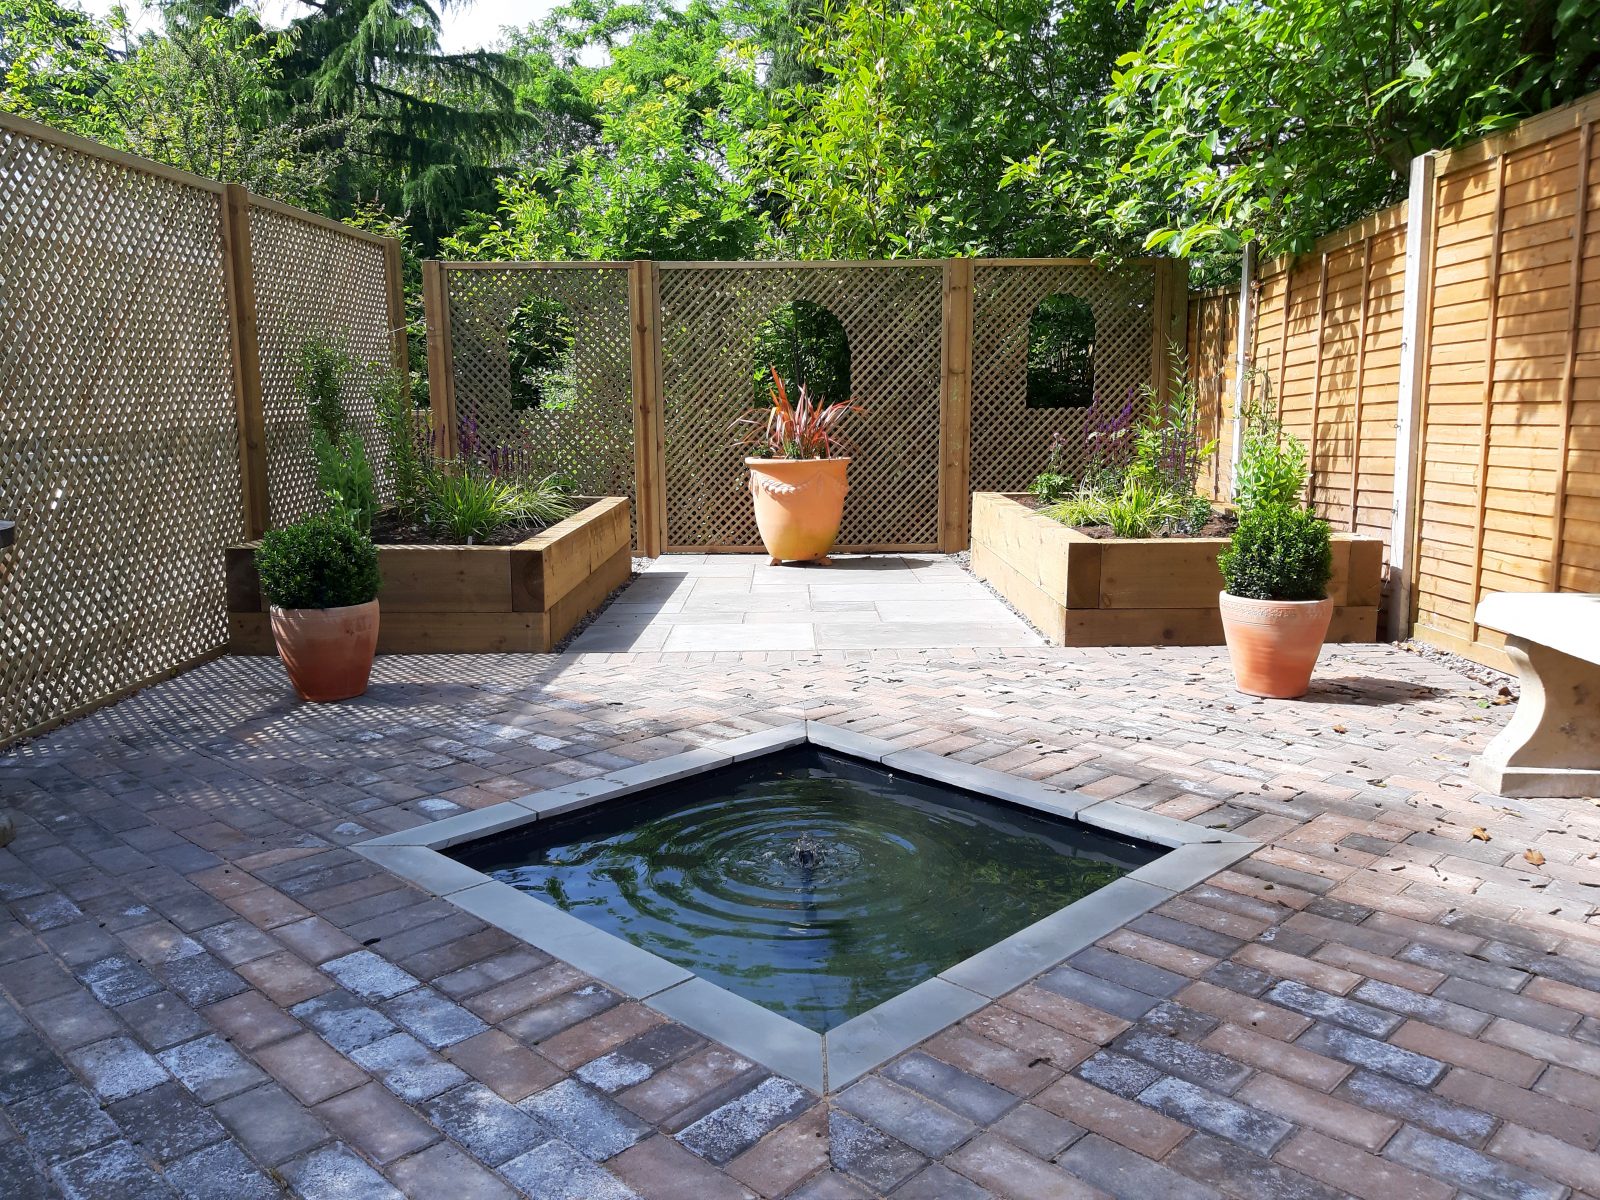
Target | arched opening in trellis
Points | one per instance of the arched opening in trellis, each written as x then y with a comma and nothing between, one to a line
1061,337
539,352
808,346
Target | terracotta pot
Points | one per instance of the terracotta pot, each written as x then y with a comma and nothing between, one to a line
327,651
799,505
1274,643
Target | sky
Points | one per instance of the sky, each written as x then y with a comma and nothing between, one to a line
470,25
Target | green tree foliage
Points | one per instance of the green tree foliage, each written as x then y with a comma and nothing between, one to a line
813,128
898,140
202,96
55,64
808,347
1238,119
440,126
646,155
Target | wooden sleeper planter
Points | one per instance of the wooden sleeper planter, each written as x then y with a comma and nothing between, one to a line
1084,591
471,599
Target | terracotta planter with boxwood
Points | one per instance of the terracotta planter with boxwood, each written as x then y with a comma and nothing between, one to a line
320,577
1275,607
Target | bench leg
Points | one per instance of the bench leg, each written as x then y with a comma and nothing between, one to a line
1552,746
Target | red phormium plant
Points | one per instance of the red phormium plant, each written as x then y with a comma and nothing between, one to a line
802,429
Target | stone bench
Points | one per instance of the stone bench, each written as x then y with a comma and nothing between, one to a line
1552,746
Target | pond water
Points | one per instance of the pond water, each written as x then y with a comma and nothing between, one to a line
816,885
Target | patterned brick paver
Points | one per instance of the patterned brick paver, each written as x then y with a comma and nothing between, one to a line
206,993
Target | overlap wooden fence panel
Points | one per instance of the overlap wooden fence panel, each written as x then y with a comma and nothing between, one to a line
1507,386
1213,330
1010,441
1510,480
316,277
1325,346
124,387
587,436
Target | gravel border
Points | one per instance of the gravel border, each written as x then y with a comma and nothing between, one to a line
640,565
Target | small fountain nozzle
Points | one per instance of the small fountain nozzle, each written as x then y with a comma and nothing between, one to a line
807,852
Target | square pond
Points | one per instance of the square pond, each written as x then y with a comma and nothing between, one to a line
813,884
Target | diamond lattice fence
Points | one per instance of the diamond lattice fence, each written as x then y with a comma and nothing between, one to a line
1010,441
118,437
891,313
585,434
119,419
315,279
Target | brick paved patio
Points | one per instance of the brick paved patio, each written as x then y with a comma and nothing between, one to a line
206,993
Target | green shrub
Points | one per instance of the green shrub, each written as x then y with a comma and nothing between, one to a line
345,477
545,502
1278,552
343,473
320,378
1272,463
1197,513
320,562
410,464
1272,468
471,504
1050,486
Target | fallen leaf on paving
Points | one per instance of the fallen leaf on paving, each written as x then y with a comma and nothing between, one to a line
1480,834
1534,857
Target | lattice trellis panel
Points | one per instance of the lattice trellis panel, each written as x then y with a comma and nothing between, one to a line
310,279
892,316
590,437
1010,441
118,436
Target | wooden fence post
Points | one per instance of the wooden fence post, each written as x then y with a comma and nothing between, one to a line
1243,351
1411,405
395,295
649,447
441,359
245,357
955,408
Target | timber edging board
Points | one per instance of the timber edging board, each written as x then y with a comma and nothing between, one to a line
471,599
1084,591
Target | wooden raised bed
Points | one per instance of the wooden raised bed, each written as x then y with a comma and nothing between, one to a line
1084,591
471,599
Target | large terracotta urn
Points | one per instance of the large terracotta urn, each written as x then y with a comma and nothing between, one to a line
1274,643
327,651
799,505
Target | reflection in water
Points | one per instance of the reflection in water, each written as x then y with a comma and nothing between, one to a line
813,884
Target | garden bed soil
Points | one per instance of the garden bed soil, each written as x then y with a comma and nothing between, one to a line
388,529
1080,590
444,599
